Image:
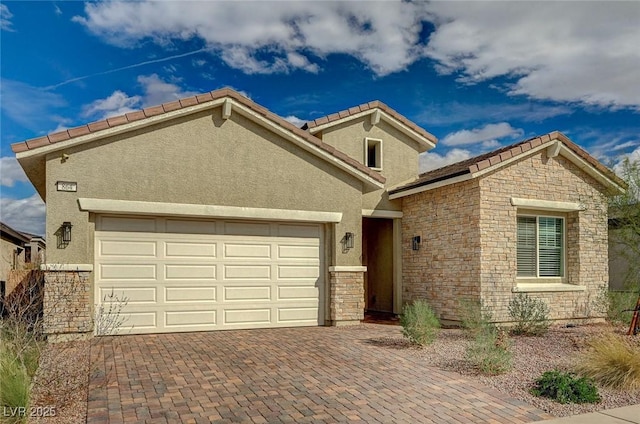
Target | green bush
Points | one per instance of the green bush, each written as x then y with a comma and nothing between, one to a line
490,351
564,387
531,315
617,305
419,323
15,384
475,317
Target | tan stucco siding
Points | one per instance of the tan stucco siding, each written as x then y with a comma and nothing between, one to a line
446,268
8,259
201,159
399,155
623,262
542,178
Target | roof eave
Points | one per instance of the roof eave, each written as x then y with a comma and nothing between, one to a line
424,142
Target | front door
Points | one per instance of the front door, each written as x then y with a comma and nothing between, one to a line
377,256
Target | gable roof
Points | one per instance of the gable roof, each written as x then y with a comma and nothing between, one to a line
487,162
226,97
377,110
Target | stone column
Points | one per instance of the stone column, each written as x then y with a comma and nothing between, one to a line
347,294
67,305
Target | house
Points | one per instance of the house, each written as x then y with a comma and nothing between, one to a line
213,213
18,250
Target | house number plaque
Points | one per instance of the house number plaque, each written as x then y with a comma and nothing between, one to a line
67,186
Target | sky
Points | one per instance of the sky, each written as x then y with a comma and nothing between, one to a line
478,75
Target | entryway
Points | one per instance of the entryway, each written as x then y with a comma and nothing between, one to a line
378,257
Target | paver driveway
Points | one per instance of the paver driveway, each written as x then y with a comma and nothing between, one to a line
317,374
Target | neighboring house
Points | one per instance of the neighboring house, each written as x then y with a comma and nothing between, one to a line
213,213
18,250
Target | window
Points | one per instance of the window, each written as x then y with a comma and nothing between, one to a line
540,250
373,153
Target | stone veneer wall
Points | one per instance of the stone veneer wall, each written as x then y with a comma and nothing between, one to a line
542,178
67,306
446,268
346,297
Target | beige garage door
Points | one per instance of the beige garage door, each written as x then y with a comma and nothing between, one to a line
190,275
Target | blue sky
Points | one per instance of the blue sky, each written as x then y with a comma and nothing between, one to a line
478,75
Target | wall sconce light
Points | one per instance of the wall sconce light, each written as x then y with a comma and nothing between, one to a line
415,243
66,232
348,240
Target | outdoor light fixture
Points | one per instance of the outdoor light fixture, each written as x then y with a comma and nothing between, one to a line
348,240
66,232
415,243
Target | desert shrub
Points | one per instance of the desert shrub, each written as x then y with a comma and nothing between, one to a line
531,315
613,361
419,323
617,305
564,387
490,351
475,317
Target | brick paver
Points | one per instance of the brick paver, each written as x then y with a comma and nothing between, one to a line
315,374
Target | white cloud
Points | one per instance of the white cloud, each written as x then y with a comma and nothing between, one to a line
486,135
118,103
155,91
57,10
11,172
295,120
27,214
271,36
5,18
564,51
429,161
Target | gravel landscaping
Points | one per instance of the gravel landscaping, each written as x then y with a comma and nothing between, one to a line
532,356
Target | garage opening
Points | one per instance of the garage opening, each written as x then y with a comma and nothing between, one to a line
198,275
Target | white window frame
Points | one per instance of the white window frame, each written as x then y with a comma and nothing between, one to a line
378,147
537,278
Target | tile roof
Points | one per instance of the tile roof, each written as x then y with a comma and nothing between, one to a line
149,112
339,116
481,162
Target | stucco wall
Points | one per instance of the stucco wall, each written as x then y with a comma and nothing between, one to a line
543,178
446,268
201,159
399,155
8,257
622,274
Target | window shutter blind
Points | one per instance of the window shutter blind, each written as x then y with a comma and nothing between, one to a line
526,250
550,245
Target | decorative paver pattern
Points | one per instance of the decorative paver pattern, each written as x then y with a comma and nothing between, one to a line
316,374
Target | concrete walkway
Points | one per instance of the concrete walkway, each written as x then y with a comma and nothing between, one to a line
625,415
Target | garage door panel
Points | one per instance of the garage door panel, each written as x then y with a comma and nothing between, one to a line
183,226
297,252
189,272
190,318
129,248
247,272
190,294
292,230
298,292
247,229
133,295
247,316
297,272
299,315
127,271
247,251
143,225
196,275
247,293
178,249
